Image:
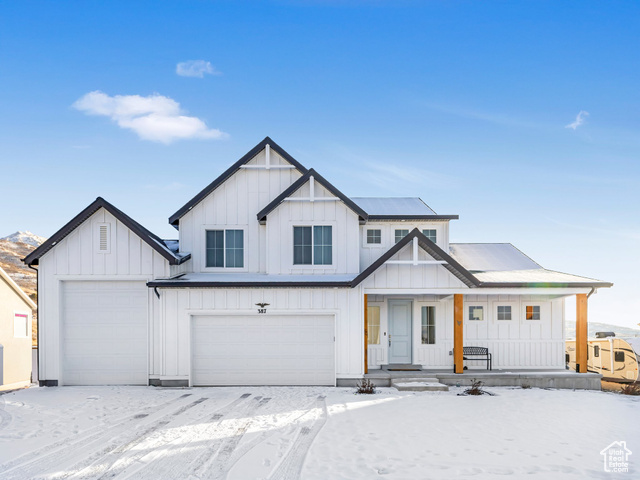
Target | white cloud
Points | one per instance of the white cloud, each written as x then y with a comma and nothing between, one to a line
196,68
155,118
580,119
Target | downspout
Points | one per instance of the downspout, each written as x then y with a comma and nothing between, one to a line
593,290
38,323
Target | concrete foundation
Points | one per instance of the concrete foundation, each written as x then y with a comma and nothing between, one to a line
562,379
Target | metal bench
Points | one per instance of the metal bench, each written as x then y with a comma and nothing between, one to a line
477,352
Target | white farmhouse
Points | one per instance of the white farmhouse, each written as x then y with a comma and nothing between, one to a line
278,278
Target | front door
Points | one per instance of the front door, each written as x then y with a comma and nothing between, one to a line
400,331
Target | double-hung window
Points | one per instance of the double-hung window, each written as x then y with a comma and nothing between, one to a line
313,245
225,249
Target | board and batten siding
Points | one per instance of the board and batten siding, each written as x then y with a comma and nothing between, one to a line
344,223
405,277
173,311
369,253
516,343
76,258
235,204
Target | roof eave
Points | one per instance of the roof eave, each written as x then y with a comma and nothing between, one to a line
413,217
184,284
147,236
545,285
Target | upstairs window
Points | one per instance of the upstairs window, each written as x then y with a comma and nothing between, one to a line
431,234
374,237
532,312
225,249
504,312
313,245
400,234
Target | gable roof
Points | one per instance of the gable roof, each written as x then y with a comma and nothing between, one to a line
13,285
432,249
262,214
151,239
174,219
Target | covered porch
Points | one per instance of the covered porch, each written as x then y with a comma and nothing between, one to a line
424,333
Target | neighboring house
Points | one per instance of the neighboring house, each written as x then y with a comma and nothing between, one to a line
278,278
16,313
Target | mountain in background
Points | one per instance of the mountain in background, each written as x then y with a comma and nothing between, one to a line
13,248
570,330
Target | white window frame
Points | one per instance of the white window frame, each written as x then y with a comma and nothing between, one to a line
514,311
408,229
366,237
526,304
433,229
27,326
224,228
97,244
332,265
383,236
482,305
379,343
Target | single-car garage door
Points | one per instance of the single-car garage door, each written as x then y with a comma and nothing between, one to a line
263,350
104,333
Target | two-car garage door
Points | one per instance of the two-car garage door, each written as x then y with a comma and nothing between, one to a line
104,333
263,350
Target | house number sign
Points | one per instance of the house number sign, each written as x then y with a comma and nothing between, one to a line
262,308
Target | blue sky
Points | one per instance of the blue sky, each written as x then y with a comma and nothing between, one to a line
465,104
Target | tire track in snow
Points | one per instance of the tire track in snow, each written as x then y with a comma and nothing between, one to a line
290,467
248,446
221,457
124,461
52,455
5,417
190,456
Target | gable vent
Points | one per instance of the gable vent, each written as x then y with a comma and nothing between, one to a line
103,238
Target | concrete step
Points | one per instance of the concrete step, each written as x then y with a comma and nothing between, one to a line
422,385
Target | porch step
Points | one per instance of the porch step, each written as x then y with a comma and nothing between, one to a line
418,385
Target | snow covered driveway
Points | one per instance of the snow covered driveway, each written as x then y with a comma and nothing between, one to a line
310,433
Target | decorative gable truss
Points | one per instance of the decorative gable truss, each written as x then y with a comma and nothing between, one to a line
312,178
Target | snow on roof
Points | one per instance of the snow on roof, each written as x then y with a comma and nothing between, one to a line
538,275
491,257
393,206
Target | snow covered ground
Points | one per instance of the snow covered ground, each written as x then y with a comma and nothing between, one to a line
311,433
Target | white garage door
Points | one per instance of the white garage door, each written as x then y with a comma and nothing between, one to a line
263,350
104,333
